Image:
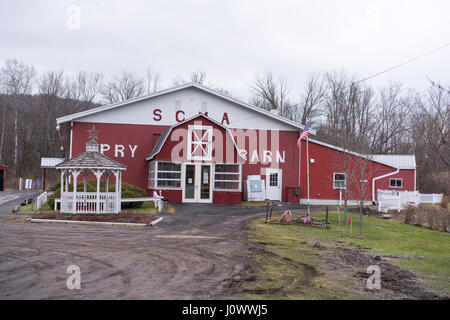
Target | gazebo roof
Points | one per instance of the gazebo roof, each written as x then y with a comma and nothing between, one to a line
91,159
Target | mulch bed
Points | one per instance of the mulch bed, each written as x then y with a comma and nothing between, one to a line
127,217
299,221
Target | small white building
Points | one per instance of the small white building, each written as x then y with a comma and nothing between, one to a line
90,162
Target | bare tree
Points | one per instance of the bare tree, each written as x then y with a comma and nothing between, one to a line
389,124
17,80
3,106
123,87
198,76
429,122
152,80
312,98
83,89
271,94
348,108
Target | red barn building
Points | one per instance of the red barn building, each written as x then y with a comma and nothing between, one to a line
198,145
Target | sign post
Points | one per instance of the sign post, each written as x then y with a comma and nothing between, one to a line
351,231
20,196
37,195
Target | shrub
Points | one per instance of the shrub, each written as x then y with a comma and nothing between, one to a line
128,191
444,202
431,217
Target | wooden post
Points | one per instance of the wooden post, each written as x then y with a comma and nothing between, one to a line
44,171
75,174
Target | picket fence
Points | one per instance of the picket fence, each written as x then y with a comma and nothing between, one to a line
399,200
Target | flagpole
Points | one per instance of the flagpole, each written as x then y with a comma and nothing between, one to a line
299,165
307,172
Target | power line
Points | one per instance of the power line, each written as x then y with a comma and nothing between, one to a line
403,63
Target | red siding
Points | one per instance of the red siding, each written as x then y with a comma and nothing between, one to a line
406,175
321,171
121,135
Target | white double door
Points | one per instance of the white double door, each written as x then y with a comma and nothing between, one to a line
273,184
197,182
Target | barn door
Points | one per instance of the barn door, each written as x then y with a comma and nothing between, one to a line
273,184
197,183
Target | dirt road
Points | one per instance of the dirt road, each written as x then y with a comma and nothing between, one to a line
197,253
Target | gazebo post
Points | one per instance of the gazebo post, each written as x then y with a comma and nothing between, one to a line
75,174
107,174
117,189
85,174
62,181
98,174
66,181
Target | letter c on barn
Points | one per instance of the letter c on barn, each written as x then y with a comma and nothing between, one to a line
176,116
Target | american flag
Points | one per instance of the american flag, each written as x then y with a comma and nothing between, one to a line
303,135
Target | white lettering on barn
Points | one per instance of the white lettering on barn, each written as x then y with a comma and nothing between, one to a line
255,157
279,158
267,156
132,149
104,148
118,148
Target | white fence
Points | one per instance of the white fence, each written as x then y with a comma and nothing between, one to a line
398,200
88,202
430,198
41,200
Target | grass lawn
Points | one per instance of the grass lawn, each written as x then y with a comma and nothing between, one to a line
294,267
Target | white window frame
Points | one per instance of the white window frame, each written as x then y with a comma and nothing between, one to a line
155,173
199,142
152,175
395,187
334,180
239,189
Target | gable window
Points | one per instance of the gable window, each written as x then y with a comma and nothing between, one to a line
164,174
339,181
395,183
227,177
199,142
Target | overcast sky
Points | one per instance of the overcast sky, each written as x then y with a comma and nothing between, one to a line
232,41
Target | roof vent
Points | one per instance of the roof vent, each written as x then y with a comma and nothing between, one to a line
92,146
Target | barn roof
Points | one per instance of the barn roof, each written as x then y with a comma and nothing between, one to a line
399,161
260,111
165,134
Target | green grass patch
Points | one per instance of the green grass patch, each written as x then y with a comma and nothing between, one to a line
254,203
293,269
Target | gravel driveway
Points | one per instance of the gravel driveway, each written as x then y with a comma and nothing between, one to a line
196,253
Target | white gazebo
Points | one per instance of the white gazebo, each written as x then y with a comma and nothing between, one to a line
87,163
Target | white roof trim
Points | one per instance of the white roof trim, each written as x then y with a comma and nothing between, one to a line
77,115
189,119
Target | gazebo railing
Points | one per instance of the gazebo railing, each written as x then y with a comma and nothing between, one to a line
90,202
